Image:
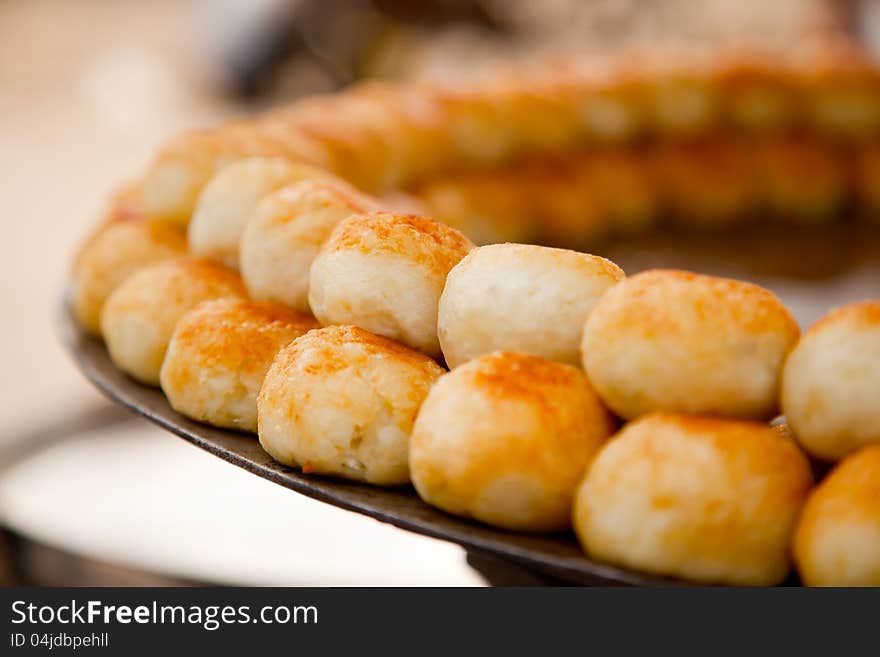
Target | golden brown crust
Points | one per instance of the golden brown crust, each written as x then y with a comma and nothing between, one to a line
669,340
505,438
331,338
385,272
116,250
699,498
202,272
508,373
837,542
237,334
139,317
219,355
764,314
424,241
864,313
342,402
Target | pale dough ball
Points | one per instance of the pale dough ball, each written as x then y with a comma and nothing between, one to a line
837,542
178,173
140,315
505,439
674,341
385,273
702,499
115,252
285,232
831,382
229,200
519,297
342,401
219,354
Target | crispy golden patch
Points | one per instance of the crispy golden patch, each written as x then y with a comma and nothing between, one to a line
385,272
667,340
333,359
424,241
342,402
505,438
139,317
219,354
118,249
699,498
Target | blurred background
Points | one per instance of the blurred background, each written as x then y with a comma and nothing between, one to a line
88,89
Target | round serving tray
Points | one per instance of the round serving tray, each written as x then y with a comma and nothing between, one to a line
499,554
812,268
